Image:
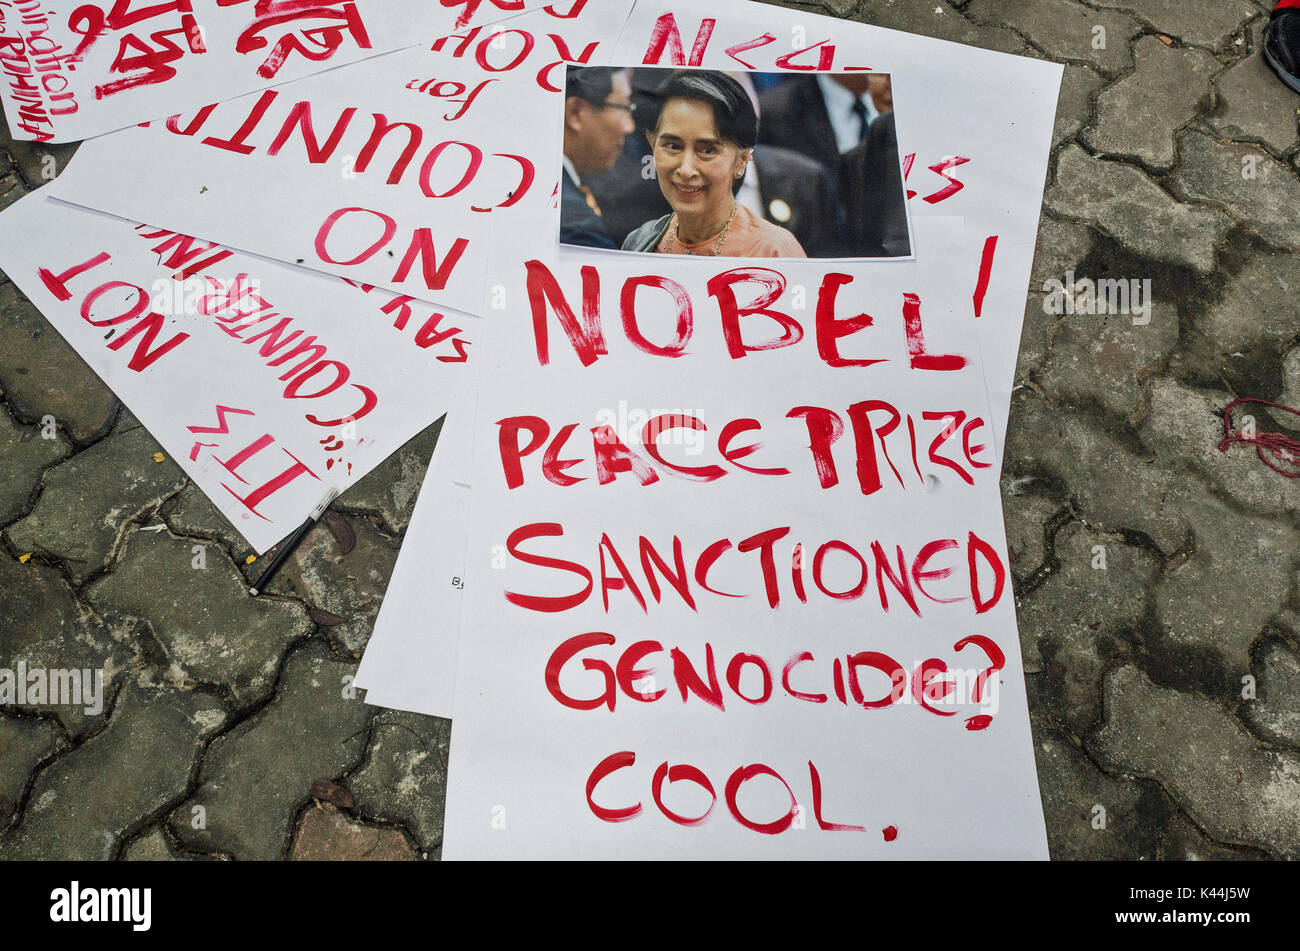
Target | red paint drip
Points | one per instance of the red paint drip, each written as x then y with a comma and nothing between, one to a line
890,833
979,722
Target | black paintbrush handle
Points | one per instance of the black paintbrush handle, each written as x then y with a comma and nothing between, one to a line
286,549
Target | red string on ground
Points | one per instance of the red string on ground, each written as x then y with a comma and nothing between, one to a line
1269,446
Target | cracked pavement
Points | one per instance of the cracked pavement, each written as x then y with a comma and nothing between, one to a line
1157,580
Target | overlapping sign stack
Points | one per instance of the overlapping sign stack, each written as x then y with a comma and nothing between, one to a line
714,541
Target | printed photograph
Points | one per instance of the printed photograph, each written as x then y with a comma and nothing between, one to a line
732,164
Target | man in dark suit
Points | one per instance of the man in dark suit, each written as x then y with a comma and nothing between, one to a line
629,193
875,205
597,119
823,116
796,193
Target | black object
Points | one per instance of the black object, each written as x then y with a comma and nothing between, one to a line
799,195
580,223
1282,45
793,116
289,544
875,208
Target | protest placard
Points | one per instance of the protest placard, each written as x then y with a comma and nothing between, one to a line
75,71
974,137
764,611
270,385
388,174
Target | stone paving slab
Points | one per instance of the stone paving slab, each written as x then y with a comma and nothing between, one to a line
327,835
44,625
84,803
1027,518
1131,208
151,846
1066,31
11,189
25,454
198,612
1290,384
1239,792
1104,360
1256,189
1219,600
1055,450
256,777
24,743
1157,579
344,589
1180,416
389,492
1079,87
89,503
42,376
404,776
37,163
1252,106
1087,614
939,20
1139,115
1182,841
191,514
1275,716
1208,23
1097,815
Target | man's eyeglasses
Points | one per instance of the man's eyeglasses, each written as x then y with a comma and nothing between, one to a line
629,108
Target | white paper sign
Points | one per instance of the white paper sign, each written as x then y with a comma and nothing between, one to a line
762,612
959,107
389,174
269,385
410,660
72,71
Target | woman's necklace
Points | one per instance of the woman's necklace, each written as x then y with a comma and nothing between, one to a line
722,235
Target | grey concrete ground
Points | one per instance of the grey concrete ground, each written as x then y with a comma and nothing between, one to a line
1156,578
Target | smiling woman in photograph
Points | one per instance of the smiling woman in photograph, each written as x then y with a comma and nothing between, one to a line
703,142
